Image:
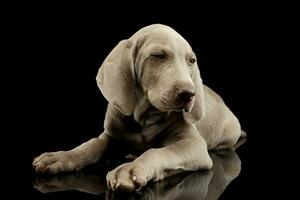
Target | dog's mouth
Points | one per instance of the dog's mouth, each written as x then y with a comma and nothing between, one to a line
178,106
188,107
170,102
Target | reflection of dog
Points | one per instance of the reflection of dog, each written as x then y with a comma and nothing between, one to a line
157,105
196,185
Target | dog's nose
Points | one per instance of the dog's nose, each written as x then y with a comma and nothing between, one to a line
186,94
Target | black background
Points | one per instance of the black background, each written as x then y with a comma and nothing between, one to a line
57,50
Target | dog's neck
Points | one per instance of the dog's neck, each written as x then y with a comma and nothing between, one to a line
146,114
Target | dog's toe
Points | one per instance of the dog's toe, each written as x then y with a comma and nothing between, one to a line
126,177
138,176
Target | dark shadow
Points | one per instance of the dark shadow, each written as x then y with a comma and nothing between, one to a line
196,185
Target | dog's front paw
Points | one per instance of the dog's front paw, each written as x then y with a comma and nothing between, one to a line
55,162
127,177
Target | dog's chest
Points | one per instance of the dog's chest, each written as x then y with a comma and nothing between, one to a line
152,122
140,129
152,117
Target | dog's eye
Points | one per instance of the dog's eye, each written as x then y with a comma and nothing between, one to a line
192,60
159,55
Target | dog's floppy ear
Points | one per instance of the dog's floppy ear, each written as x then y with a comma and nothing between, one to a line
198,110
116,77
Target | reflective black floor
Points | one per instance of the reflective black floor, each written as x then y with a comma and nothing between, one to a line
91,183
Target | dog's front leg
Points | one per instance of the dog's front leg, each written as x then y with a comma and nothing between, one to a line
72,160
187,154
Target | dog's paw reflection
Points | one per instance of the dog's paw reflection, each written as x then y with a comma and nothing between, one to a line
49,184
84,182
196,185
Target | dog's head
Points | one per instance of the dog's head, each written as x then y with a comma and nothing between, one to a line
161,64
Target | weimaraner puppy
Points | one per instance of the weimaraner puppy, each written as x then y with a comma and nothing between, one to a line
159,106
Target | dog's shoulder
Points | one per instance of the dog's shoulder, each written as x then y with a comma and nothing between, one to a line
213,94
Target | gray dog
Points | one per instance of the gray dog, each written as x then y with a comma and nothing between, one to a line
157,105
